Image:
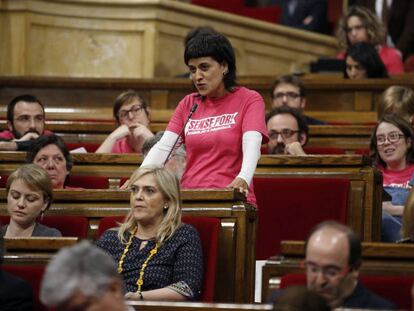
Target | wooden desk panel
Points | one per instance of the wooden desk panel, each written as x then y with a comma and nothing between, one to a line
364,205
80,94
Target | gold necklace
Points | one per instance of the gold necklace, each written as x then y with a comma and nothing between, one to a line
140,280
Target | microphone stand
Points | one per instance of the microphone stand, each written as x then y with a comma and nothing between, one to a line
192,110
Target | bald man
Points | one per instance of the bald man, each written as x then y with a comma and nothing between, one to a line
333,260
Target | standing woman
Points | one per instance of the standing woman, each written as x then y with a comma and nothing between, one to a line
224,135
392,151
132,117
158,257
359,24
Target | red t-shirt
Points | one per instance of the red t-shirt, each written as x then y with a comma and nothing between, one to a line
213,136
122,146
397,179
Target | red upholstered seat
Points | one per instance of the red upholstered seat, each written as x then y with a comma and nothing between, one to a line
395,288
74,181
3,181
108,223
288,208
90,147
69,226
33,275
208,229
88,182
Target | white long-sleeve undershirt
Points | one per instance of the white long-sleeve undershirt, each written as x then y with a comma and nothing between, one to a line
251,143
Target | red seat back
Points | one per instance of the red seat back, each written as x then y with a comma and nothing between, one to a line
288,208
88,182
69,226
75,181
394,288
33,274
90,147
208,229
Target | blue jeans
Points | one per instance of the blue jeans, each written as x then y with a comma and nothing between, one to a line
391,227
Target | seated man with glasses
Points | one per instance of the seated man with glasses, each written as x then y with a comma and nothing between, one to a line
288,131
332,263
132,117
289,91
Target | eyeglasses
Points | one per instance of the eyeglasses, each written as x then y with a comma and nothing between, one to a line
289,95
329,272
392,137
285,133
123,114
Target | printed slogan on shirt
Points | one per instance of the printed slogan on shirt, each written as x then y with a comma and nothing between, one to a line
210,124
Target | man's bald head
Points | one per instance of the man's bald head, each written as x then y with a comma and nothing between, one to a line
333,257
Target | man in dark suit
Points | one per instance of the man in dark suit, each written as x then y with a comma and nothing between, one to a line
308,15
400,22
15,293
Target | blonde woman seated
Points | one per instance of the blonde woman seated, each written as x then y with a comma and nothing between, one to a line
131,114
158,257
29,194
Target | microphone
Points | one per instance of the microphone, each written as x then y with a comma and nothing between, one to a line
192,110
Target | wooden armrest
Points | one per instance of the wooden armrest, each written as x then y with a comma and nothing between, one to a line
38,243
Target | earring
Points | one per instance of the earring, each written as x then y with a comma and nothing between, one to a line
166,206
224,73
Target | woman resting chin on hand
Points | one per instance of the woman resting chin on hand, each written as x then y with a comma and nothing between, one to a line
131,114
158,257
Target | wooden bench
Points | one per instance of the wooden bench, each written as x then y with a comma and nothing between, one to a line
363,213
377,259
350,138
81,94
236,257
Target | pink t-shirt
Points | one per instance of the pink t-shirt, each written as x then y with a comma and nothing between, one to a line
122,146
6,134
213,136
397,179
391,58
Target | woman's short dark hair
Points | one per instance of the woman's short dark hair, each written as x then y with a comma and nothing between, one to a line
126,98
404,126
367,56
47,140
216,46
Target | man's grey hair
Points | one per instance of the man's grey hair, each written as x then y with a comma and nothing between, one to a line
83,267
150,142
